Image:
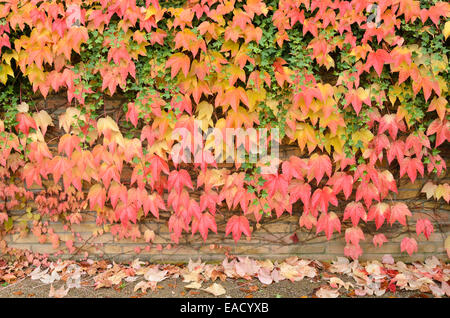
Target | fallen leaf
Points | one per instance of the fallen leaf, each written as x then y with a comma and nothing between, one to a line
388,259
215,289
155,275
58,293
194,285
325,292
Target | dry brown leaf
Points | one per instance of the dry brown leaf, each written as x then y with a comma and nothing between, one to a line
58,293
215,289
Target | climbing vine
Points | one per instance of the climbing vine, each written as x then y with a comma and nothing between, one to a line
359,87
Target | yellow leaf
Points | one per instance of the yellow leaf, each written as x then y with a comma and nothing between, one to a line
402,113
106,123
395,93
35,74
363,135
5,70
273,105
439,105
70,117
306,135
429,189
160,148
23,107
335,140
6,57
215,289
446,30
254,97
442,191
151,10
204,113
43,120
149,235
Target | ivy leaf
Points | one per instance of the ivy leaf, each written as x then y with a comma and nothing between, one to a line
68,143
238,225
178,179
178,61
429,189
424,226
202,225
97,196
355,211
322,198
43,120
409,245
319,165
379,240
377,59
439,104
328,222
25,122
353,235
399,211
379,212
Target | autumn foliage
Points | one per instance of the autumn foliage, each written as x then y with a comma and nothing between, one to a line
360,87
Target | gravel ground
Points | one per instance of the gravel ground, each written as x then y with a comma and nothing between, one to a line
174,288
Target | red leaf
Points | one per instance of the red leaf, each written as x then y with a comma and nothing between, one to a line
202,225
97,196
353,235
176,225
25,123
377,60
342,181
275,183
379,212
178,61
411,166
178,179
424,226
31,174
299,190
237,225
68,143
319,165
322,197
409,245
392,124
307,220
399,211
116,191
209,199
368,192
295,167
328,222
379,240
396,150
353,251
153,203
441,129
355,211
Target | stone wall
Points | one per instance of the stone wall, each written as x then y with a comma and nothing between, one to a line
274,238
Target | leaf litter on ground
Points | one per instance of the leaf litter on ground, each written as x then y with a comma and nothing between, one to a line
341,277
